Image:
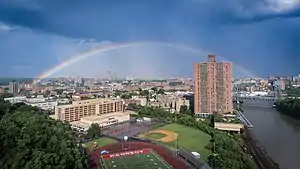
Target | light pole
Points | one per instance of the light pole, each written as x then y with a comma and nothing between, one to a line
124,142
176,136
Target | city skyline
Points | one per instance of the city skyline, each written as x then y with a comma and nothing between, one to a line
259,37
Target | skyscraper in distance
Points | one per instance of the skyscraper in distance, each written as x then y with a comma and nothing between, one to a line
212,88
14,87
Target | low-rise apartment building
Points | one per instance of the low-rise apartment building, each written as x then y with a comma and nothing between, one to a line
39,101
137,100
171,102
83,108
45,105
17,99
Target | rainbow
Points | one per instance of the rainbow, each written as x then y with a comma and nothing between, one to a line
105,48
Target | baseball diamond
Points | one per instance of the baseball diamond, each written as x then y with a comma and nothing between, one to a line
169,135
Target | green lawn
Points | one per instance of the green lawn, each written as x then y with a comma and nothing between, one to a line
103,141
190,139
155,136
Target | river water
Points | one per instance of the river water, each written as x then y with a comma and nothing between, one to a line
279,134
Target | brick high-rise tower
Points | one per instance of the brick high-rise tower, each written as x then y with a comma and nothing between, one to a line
213,91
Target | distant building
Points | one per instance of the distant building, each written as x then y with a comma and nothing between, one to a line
41,102
38,101
84,108
280,83
213,87
17,99
296,78
170,102
138,101
78,80
45,105
2,90
14,87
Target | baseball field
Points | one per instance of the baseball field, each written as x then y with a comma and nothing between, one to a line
173,135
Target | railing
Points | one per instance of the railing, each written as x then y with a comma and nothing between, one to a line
243,118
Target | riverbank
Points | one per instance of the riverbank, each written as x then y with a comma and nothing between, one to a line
279,134
296,117
289,107
263,160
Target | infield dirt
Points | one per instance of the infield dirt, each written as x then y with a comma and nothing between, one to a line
169,135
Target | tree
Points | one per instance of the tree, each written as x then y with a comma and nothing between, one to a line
154,89
133,106
293,91
212,121
183,109
31,140
5,95
160,91
59,91
144,93
93,131
126,96
290,107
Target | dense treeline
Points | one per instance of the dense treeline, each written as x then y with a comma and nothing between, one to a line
31,140
292,91
227,152
290,107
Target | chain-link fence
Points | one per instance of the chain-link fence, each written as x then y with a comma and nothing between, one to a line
132,128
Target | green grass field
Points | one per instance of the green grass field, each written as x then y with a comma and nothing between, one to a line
148,159
155,135
189,138
103,141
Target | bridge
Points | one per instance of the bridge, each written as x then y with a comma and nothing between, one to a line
259,101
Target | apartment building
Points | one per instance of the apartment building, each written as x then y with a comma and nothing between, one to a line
14,87
170,102
212,88
84,108
2,90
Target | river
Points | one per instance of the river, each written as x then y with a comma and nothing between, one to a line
278,133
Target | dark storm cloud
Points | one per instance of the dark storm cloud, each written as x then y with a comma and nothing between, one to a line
262,35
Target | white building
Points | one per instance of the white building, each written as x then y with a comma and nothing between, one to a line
17,99
39,98
45,105
143,101
38,101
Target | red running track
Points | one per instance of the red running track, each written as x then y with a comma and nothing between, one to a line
175,162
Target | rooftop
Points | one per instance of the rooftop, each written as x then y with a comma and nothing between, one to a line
104,116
